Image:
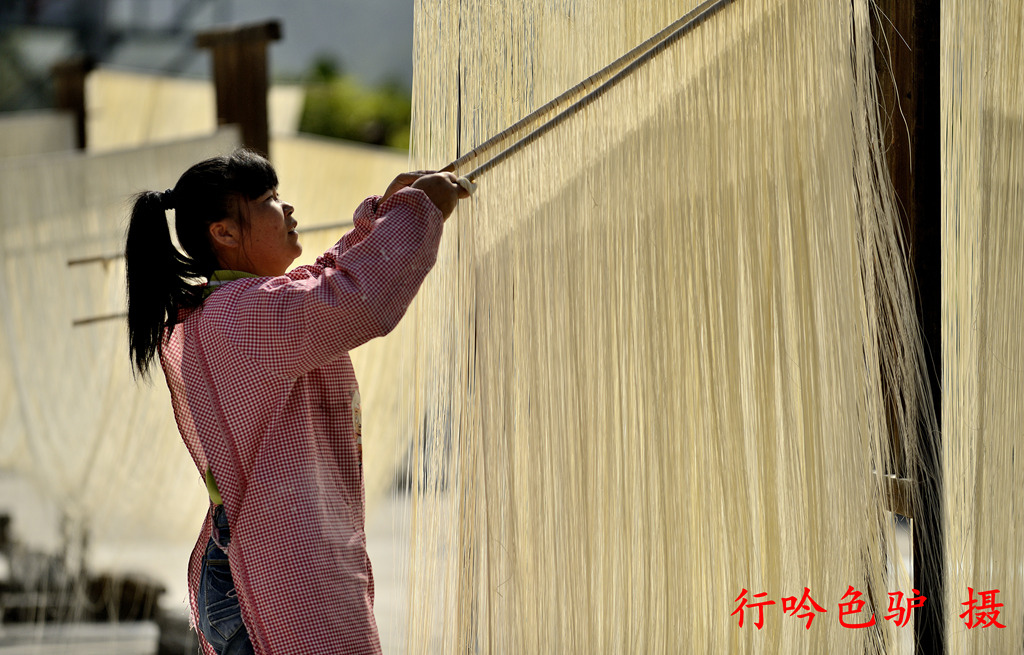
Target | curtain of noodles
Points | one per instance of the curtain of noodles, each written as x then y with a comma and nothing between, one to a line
74,421
127,110
982,292
36,132
648,360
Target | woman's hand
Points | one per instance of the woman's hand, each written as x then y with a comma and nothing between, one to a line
402,181
443,189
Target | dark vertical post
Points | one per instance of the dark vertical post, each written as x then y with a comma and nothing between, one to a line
240,77
69,91
908,76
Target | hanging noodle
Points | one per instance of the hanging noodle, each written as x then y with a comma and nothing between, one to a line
982,292
653,365
36,132
127,110
652,361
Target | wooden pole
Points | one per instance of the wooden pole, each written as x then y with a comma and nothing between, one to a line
907,57
240,77
69,91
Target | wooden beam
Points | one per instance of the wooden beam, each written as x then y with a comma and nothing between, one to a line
251,33
69,91
907,60
240,77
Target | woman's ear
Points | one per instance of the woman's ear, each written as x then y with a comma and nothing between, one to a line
224,234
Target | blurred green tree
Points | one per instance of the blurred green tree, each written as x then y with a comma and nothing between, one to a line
338,105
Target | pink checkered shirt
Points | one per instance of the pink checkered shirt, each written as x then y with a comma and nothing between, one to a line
264,395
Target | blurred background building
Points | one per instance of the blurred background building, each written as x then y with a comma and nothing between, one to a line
354,58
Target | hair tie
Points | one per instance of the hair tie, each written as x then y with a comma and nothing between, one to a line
167,199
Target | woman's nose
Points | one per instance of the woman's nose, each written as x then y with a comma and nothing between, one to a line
289,209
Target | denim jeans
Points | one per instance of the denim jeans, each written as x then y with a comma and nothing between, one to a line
220,616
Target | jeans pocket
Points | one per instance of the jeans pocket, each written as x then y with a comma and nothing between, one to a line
220,615
224,616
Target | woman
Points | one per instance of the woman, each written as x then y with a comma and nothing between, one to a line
264,393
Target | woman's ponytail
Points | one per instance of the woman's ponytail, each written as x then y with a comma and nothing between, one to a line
161,278
158,277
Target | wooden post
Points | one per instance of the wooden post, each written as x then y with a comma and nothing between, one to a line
69,91
907,59
240,77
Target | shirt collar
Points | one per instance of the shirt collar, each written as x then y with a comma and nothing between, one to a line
223,276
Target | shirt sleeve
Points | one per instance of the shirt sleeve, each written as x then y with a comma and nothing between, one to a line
363,220
357,290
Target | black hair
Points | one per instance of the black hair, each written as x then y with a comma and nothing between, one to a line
162,279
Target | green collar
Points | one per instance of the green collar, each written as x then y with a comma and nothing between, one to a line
222,276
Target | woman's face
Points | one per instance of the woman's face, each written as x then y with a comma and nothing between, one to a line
270,243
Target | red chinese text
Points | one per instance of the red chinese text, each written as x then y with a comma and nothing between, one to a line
806,605
855,613
855,606
982,612
900,610
760,607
